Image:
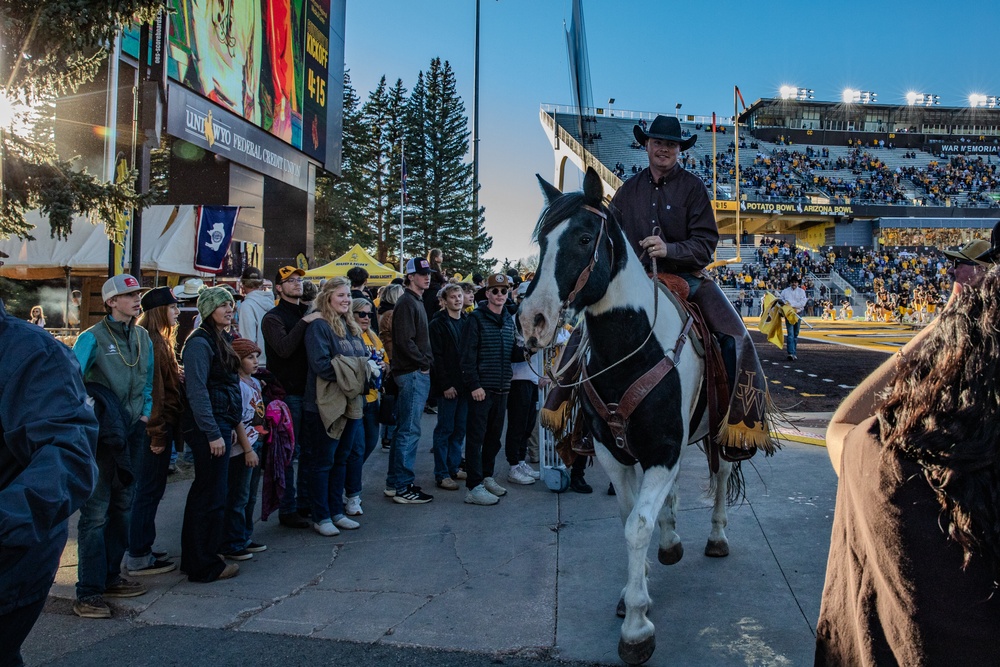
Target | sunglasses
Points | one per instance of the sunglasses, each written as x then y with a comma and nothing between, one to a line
498,290
363,314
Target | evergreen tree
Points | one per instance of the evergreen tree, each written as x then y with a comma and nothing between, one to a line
340,203
444,218
48,49
382,117
414,119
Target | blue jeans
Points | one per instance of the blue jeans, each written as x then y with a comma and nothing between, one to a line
793,335
150,483
372,427
204,511
303,447
413,391
102,534
329,467
363,444
449,435
239,512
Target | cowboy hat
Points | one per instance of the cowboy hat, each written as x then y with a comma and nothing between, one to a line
970,252
666,128
993,254
189,288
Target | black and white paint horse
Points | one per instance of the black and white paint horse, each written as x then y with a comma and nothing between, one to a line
577,231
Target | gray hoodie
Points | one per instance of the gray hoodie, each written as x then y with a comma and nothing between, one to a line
252,311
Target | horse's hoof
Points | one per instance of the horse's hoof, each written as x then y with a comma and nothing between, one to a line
638,653
717,548
620,609
671,555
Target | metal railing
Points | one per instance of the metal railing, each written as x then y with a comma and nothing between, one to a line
610,112
589,159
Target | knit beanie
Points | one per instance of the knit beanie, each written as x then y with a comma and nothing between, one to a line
244,347
210,298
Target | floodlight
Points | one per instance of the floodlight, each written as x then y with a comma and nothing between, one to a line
848,96
911,98
977,100
786,92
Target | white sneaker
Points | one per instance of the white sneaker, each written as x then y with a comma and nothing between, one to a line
480,496
353,506
326,528
494,488
346,523
518,476
528,470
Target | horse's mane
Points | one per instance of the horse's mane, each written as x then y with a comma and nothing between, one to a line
558,210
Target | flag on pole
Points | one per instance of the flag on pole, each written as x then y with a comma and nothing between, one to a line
213,235
740,96
713,122
402,177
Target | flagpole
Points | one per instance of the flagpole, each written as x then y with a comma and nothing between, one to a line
402,201
736,123
715,179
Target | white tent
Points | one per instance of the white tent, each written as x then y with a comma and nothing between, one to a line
168,234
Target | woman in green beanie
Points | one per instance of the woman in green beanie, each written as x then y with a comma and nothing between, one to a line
211,416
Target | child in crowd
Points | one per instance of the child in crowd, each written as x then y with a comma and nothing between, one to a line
244,459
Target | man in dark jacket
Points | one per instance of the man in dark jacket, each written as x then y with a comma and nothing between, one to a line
411,366
446,330
48,439
488,349
284,329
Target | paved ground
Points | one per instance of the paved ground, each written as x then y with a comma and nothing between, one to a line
531,580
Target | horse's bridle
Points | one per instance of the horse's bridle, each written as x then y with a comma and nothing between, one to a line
581,280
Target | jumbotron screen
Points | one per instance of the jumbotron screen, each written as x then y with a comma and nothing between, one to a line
266,61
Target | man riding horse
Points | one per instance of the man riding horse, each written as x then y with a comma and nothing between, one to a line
666,214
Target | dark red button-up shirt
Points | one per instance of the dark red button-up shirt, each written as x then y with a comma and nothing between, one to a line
679,204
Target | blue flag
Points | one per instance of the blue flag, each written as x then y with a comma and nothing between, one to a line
214,234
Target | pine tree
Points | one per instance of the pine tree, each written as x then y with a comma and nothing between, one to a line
414,120
445,219
340,203
382,117
49,49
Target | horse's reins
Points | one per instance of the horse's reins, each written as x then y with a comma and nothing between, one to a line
581,282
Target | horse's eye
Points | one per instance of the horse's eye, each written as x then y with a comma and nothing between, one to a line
586,239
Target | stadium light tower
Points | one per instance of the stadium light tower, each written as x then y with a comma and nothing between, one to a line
795,93
851,96
922,99
980,100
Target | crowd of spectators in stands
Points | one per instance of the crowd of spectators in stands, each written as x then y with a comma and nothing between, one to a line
942,180
898,284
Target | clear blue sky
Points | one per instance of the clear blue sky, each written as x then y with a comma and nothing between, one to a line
652,55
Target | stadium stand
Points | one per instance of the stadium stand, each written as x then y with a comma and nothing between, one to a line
864,198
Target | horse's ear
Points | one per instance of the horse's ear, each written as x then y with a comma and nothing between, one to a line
550,191
593,188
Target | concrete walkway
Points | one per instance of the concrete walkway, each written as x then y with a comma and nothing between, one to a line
536,576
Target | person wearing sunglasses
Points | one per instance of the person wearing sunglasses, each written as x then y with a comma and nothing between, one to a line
488,349
967,261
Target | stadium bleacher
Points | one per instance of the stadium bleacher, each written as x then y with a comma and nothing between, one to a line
919,178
